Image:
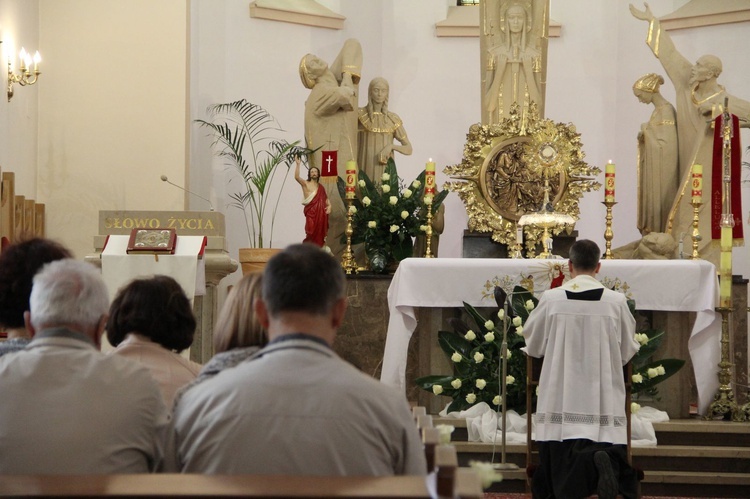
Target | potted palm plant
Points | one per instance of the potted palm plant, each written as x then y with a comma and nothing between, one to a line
244,137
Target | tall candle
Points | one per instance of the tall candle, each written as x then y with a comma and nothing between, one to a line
609,182
519,234
697,184
429,177
351,178
725,268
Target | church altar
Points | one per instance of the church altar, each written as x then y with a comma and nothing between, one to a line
658,285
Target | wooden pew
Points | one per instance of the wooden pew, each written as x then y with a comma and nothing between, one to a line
256,486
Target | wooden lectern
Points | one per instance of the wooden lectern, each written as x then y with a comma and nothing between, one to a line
187,223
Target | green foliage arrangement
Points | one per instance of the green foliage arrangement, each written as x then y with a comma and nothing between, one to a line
243,137
475,352
386,216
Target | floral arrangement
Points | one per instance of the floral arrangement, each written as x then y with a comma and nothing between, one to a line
386,216
475,353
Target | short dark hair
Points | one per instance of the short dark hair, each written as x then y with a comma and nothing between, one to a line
155,307
584,255
302,278
19,263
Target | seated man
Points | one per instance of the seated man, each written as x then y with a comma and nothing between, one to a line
296,407
68,408
586,333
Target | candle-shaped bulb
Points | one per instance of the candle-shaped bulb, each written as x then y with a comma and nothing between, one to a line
22,58
37,60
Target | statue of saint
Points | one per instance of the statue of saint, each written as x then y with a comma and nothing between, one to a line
378,127
331,122
514,66
658,174
317,207
699,99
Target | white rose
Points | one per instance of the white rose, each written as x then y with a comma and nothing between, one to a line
660,370
437,389
423,228
489,325
393,200
480,384
352,209
428,200
637,378
385,177
497,400
404,214
529,305
372,224
470,336
489,337
456,383
652,372
634,407
509,380
478,357
366,201
361,183
456,357
517,321
394,228
445,431
407,193
508,354
386,188
471,398
416,184
501,314
519,330
641,338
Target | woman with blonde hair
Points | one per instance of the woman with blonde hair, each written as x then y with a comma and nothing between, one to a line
237,333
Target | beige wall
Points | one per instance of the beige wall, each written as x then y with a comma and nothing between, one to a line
112,116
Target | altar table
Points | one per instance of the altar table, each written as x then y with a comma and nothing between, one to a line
661,285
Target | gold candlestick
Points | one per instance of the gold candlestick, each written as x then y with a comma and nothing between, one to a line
347,260
428,232
696,236
608,234
724,404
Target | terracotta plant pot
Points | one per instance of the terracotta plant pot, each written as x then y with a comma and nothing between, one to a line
254,259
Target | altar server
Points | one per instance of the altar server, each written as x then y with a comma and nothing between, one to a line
296,408
586,334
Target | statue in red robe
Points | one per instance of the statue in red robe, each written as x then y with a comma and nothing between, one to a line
317,207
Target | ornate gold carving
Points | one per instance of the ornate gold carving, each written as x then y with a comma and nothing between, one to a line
501,175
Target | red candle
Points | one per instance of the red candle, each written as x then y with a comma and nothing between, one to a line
351,178
609,182
429,178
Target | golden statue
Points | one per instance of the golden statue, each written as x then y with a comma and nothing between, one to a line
513,44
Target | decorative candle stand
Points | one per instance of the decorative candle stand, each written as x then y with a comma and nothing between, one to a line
428,231
696,235
347,259
608,234
724,404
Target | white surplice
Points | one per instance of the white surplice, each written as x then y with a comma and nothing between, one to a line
584,344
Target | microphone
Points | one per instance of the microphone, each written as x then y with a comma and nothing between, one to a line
165,179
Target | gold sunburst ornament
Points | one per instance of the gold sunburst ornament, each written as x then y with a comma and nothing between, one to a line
502,174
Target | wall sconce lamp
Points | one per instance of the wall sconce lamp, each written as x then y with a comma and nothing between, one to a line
27,76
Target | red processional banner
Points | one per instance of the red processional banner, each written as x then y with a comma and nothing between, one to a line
329,162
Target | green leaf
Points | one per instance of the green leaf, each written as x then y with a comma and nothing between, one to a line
426,382
451,342
671,366
477,317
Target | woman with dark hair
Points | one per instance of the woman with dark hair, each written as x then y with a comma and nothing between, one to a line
150,321
19,263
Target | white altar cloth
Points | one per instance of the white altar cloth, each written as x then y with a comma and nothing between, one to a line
664,285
